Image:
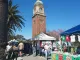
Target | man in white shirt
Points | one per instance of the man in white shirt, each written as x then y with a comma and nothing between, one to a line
7,51
8,47
46,47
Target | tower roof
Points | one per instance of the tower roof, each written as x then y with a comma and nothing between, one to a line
38,2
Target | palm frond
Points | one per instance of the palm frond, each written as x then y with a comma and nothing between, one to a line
15,21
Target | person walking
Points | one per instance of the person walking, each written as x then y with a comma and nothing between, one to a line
34,51
21,48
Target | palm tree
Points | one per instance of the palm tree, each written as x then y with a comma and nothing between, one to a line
15,21
3,25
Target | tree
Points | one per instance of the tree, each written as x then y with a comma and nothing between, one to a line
3,27
55,33
19,37
15,21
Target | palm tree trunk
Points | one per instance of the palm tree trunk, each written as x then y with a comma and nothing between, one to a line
3,27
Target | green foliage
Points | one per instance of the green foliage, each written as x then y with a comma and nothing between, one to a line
15,21
19,37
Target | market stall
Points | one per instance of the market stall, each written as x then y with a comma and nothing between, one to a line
43,39
70,45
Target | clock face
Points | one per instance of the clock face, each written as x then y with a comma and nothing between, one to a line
40,9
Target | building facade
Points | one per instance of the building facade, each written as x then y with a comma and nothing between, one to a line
38,19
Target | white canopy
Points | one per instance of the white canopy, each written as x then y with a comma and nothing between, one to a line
43,36
12,41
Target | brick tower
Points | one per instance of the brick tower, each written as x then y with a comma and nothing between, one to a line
38,19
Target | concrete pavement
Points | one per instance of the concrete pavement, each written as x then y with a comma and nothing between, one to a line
31,58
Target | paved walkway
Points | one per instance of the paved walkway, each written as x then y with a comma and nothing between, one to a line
31,58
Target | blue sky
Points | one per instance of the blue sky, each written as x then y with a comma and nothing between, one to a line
60,14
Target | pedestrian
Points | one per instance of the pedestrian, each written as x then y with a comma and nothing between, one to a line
8,51
21,48
37,48
34,51
42,51
46,47
8,47
15,51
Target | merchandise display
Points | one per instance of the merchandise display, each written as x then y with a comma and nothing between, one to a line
79,38
64,56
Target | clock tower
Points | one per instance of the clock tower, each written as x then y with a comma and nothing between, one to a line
38,19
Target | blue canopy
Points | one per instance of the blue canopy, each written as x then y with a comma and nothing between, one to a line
74,30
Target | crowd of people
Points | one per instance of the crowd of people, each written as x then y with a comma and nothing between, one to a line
42,51
13,50
18,49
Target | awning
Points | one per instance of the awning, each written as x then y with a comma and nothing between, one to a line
43,36
74,30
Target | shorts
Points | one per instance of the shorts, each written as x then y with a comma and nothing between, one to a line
21,50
